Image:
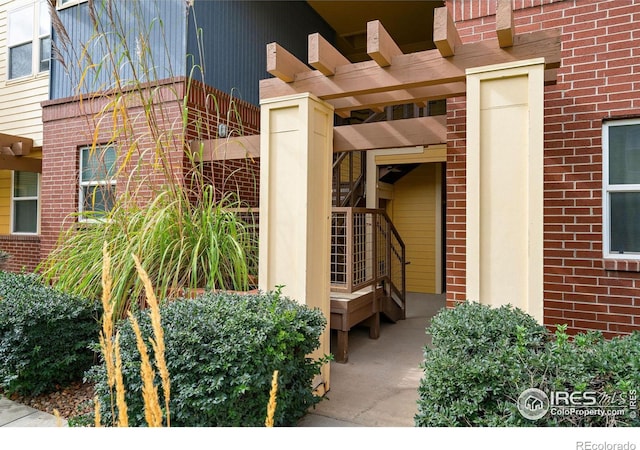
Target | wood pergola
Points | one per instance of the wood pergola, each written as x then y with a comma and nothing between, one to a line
391,78
13,154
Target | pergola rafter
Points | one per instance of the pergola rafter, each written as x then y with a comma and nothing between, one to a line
395,78
15,145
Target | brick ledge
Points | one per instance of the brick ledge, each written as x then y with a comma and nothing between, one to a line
19,238
622,265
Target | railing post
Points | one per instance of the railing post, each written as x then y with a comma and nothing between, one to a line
349,247
403,271
387,232
374,251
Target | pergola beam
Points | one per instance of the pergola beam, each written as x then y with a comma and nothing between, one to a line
282,64
390,134
239,147
426,68
20,163
323,56
445,34
380,45
505,28
346,138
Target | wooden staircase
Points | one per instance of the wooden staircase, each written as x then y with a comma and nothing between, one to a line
367,273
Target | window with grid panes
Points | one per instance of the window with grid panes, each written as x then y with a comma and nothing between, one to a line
25,203
97,181
621,188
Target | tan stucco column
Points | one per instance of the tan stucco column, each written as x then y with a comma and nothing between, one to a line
296,144
505,120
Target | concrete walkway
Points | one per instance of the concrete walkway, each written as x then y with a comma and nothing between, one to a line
14,414
377,387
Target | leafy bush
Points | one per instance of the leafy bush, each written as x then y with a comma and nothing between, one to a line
45,335
483,358
221,351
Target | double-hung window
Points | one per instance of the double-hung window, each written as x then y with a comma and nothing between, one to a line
97,181
621,188
24,203
29,40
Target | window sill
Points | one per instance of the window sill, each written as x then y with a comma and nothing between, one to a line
27,78
622,265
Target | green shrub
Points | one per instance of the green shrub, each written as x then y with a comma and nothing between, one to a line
481,360
473,368
221,351
45,335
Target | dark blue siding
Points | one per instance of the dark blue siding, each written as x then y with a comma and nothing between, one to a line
91,56
235,35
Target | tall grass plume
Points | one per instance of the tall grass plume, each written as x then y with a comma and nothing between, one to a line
157,342
271,406
110,348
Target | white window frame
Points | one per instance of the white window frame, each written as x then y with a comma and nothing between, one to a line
35,41
62,4
82,184
607,189
19,199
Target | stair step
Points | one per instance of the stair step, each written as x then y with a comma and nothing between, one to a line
391,310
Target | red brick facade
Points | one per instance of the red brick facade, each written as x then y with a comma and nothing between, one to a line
24,251
599,77
238,176
70,124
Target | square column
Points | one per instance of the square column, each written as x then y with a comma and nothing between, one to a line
505,140
296,156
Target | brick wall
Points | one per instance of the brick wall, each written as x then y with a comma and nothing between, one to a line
599,78
210,107
70,124
239,177
24,251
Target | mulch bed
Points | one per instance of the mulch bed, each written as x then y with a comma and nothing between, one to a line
70,401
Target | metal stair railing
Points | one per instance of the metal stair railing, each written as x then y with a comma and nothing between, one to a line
348,179
367,250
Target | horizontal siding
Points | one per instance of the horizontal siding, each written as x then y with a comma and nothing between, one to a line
413,211
20,111
5,201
